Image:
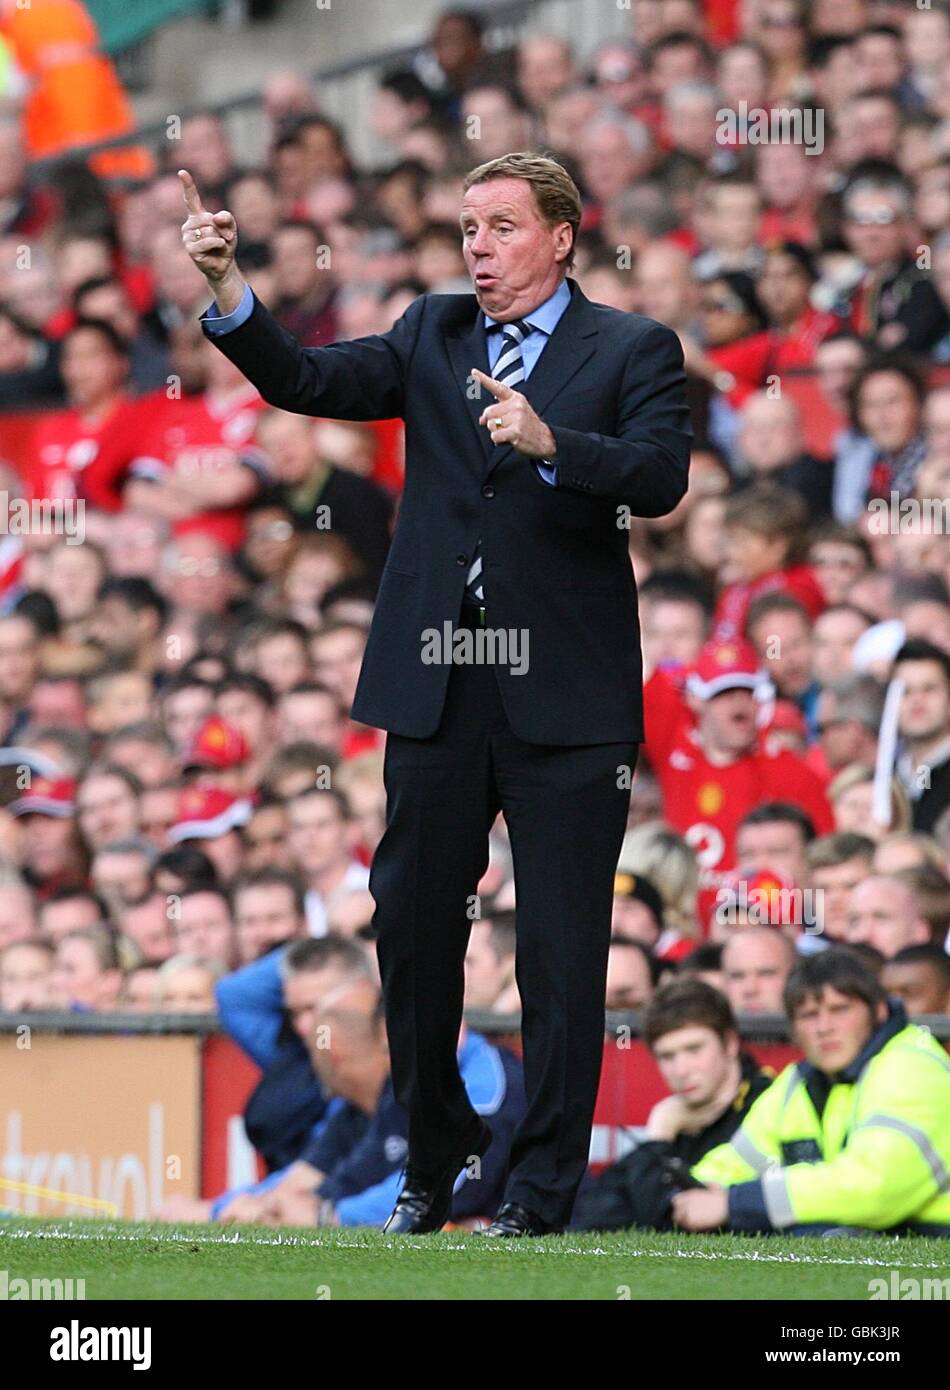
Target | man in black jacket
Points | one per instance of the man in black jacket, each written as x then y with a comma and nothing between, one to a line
691,1031
504,656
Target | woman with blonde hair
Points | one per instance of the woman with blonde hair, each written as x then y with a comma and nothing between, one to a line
662,856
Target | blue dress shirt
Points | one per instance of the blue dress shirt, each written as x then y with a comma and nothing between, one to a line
542,321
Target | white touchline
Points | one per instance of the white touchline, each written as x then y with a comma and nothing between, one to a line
537,1247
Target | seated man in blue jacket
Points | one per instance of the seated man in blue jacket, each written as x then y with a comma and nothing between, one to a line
351,1172
268,1009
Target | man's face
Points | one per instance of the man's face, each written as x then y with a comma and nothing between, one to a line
874,226
290,442
78,979
184,711
783,641
304,993
19,659
148,925
634,920
59,704
203,928
17,919
918,986
734,214
925,706
666,288
776,845
837,365
784,286
515,260
694,1062
456,45
755,967
264,916
121,879
150,762
337,658
107,811
888,410
91,369
197,574
312,716
116,626
59,919
834,637
24,978
140,991
728,722
189,991
317,833
629,985
125,699
673,632
265,839
281,660
769,434
49,844
485,975
296,261
842,740
831,1028
836,883
248,714
883,913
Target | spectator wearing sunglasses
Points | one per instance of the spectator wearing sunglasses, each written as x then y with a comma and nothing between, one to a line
894,300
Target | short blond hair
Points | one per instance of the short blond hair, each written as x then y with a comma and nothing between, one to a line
555,192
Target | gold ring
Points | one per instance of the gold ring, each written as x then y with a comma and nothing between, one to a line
197,234
497,424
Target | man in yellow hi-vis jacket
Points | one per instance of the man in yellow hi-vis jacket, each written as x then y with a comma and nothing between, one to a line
856,1136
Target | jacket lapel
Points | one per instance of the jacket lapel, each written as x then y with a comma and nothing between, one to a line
569,347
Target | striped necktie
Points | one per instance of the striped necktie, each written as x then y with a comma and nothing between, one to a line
509,370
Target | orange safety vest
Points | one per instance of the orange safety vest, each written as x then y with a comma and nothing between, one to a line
75,95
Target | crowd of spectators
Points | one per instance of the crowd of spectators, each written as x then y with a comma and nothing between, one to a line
183,793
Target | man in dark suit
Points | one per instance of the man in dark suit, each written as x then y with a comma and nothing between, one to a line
511,534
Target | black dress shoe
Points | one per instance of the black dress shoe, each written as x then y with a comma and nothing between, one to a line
516,1220
424,1204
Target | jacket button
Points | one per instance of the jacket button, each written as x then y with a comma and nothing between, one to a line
461,560
488,490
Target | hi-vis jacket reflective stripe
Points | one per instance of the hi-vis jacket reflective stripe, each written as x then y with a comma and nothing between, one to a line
868,1147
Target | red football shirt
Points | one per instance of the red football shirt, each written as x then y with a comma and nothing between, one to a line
75,457
706,803
732,610
198,434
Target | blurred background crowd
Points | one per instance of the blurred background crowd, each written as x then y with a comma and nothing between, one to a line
182,788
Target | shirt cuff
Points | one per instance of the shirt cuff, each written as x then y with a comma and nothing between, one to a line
219,324
548,471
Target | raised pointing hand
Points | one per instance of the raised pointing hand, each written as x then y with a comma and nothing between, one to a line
209,238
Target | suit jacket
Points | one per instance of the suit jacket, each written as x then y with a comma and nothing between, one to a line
556,567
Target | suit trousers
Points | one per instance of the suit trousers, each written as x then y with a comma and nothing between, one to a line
566,812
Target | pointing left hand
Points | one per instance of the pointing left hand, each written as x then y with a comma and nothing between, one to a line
511,419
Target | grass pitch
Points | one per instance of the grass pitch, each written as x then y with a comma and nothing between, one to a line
120,1260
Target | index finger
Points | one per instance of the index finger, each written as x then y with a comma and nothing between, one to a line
190,190
499,390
